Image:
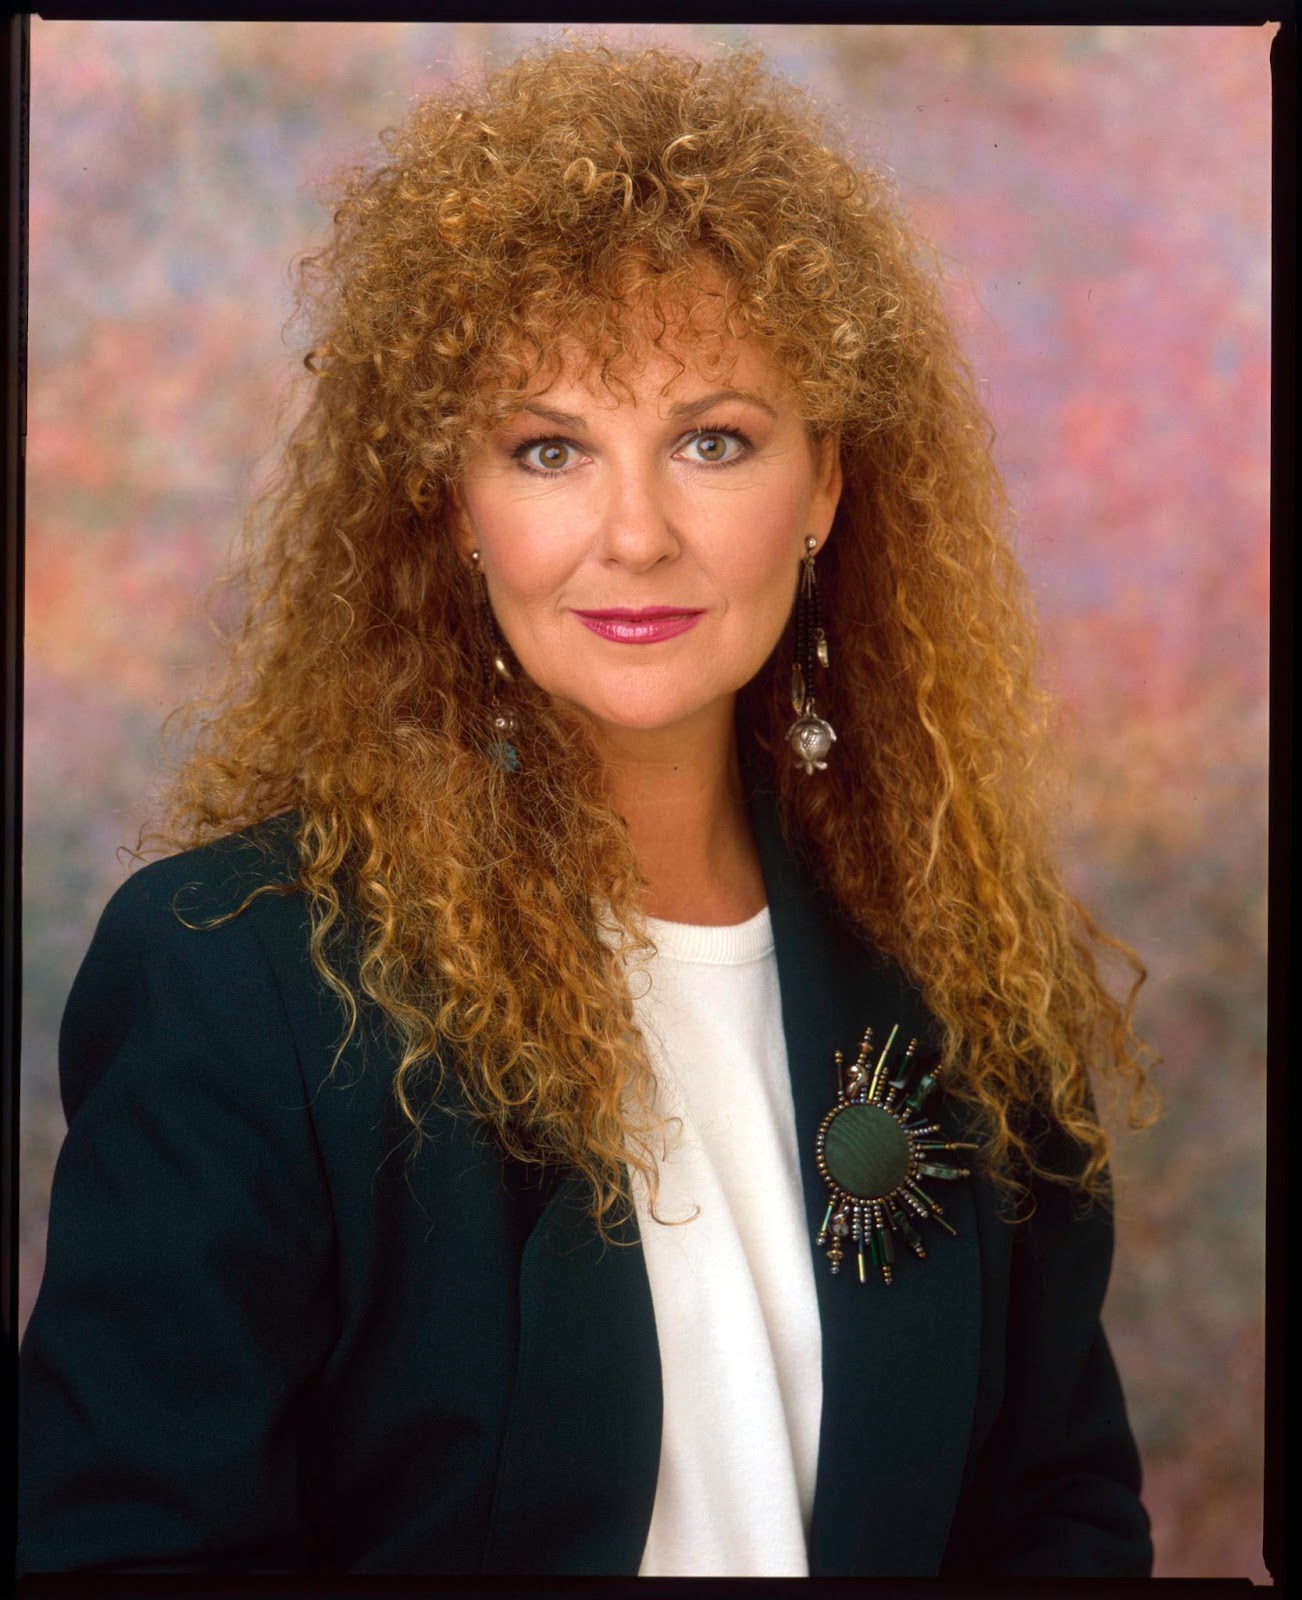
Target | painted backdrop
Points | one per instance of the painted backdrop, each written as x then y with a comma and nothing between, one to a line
1101,196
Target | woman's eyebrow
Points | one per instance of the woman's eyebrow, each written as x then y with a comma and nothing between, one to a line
562,419
676,413
693,408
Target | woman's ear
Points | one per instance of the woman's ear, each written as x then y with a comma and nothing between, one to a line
463,534
827,484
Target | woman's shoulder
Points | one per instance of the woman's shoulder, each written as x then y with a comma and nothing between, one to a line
213,880
229,889
220,926
201,969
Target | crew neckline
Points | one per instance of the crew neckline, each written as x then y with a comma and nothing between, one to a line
732,945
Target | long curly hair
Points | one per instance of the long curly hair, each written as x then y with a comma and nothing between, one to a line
568,191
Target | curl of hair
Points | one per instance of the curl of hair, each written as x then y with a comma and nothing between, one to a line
572,190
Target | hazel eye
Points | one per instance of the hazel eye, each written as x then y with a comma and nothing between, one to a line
714,447
549,455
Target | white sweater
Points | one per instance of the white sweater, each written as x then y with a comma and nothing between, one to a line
733,1288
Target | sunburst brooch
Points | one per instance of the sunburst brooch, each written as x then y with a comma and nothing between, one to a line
872,1148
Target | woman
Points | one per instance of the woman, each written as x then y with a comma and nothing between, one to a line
606,1089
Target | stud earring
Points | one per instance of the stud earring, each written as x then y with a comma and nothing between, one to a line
502,720
810,736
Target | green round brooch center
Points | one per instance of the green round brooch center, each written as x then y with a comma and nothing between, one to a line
866,1151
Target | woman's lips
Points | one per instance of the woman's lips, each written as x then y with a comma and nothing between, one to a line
648,626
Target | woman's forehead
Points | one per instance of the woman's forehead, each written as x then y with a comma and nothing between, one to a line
668,361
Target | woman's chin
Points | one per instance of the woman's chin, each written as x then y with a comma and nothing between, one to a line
628,717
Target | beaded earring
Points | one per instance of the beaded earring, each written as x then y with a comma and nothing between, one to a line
503,721
810,736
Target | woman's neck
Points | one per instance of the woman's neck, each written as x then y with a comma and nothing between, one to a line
680,792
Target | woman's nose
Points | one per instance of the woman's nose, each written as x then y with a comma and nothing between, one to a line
637,526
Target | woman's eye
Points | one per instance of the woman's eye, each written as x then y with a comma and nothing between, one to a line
714,447
549,455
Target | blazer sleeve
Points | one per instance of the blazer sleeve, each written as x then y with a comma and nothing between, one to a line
187,1299
1054,1487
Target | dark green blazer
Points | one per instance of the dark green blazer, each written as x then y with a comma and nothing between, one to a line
267,1341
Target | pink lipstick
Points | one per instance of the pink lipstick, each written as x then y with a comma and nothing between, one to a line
647,626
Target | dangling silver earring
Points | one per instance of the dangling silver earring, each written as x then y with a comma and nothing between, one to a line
810,736
503,721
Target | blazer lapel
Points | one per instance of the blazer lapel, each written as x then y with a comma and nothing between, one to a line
577,1476
900,1363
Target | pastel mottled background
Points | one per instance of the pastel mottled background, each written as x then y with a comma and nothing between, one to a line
1101,197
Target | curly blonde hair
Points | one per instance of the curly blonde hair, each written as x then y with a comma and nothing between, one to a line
559,193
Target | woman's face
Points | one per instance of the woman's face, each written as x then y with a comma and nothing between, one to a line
641,547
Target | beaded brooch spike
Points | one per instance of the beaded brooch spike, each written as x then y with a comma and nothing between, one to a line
873,1147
